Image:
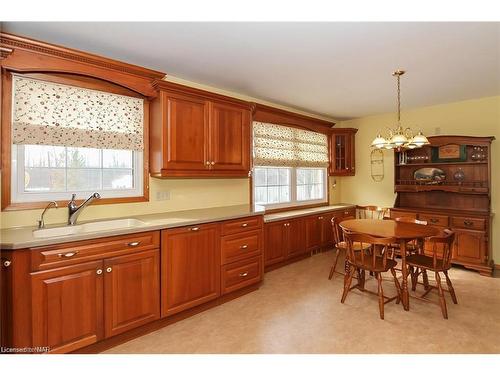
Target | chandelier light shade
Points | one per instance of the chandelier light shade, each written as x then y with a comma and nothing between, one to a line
399,137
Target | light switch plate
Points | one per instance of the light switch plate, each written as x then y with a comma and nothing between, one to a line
163,195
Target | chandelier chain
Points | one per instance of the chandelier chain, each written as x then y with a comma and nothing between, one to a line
399,98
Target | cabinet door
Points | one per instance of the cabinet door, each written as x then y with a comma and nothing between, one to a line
470,246
342,154
131,291
296,236
327,231
67,306
190,267
187,133
229,139
275,242
313,232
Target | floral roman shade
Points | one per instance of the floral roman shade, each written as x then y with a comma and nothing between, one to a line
283,146
46,113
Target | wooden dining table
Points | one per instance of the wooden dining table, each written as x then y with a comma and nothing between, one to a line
403,233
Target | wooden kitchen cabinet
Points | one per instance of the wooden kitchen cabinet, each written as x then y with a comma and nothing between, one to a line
67,306
470,246
296,235
342,152
194,133
314,229
131,291
190,267
275,242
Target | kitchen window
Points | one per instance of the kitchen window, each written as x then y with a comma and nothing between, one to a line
68,139
290,166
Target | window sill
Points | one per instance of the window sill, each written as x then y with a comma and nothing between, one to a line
64,203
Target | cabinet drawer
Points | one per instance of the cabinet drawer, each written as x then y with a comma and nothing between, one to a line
437,220
75,252
468,223
240,225
240,246
241,274
396,214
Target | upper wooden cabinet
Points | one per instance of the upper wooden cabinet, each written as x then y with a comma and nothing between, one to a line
198,134
342,160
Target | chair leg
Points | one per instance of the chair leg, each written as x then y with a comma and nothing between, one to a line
442,301
425,279
380,295
450,288
347,283
332,270
412,278
398,287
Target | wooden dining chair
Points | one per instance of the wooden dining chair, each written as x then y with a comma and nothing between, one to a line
371,212
375,260
339,242
440,261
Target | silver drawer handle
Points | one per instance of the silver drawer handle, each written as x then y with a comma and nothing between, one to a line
7,263
67,255
109,269
244,225
99,271
134,244
468,223
194,229
243,246
244,274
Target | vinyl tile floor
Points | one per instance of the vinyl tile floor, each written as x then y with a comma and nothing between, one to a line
298,310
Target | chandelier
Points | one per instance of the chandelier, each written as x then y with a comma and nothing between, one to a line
399,137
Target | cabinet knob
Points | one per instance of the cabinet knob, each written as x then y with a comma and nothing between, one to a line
212,163
207,163
194,229
244,274
109,269
244,225
244,246
468,223
7,263
433,220
134,244
69,254
99,271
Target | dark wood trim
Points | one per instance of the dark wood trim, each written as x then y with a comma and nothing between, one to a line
6,147
177,88
440,140
153,326
264,113
28,55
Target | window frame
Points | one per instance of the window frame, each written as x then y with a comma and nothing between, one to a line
293,190
7,148
17,180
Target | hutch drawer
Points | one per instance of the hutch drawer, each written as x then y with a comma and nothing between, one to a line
437,220
468,223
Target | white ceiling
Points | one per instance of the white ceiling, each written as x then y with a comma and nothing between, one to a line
342,70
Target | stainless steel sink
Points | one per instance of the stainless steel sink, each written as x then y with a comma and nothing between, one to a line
91,227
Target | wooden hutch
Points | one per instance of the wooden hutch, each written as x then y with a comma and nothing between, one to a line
456,193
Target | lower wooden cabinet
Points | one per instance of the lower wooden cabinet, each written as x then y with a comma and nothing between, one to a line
190,267
240,274
314,228
470,246
67,307
131,291
295,238
275,239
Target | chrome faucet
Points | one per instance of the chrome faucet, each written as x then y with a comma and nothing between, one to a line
74,210
41,222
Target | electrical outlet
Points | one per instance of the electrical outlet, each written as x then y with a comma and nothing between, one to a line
163,195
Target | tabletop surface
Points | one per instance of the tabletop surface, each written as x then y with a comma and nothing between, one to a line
389,228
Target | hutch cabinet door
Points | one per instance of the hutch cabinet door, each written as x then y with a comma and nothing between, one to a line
229,139
296,235
131,291
470,246
275,237
190,267
187,133
314,226
67,306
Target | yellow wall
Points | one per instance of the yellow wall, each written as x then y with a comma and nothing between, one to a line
479,117
185,194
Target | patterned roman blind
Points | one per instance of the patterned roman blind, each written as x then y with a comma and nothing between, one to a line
283,146
46,113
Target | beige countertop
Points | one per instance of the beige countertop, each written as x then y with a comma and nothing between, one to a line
305,212
23,237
